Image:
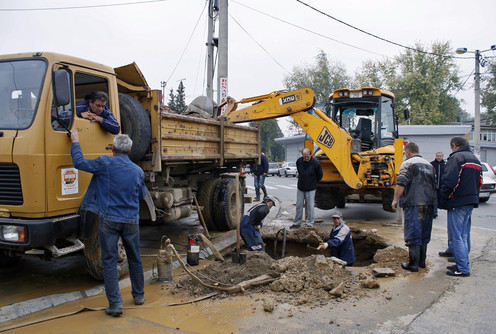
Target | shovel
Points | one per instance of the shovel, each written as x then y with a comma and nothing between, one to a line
237,256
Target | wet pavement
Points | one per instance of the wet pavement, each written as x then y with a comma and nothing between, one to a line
420,302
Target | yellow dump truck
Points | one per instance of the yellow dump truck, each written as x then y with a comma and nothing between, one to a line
41,191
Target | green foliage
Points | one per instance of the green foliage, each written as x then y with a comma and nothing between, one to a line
424,83
269,130
177,101
489,94
323,78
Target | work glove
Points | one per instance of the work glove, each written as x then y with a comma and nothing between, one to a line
323,246
257,227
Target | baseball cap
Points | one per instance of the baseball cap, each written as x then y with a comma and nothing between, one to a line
270,198
337,214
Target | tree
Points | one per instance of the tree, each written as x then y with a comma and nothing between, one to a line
172,101
177,101
180,98
424,81
489,94
323,78
269,130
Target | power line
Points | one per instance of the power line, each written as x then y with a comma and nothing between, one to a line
308,30
78,7
260,45
189,40
378,37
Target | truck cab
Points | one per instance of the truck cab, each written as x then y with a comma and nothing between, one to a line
40,190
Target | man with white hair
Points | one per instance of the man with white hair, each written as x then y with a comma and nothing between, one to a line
114,193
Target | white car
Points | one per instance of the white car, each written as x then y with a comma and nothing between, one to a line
288,168
273,168
488,182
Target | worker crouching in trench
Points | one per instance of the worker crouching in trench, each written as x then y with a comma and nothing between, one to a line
340,240
252,222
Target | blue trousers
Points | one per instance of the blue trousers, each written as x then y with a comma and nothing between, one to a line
109,237
418,224
459,225
259,181
250,235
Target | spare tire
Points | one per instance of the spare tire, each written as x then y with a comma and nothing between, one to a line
135,123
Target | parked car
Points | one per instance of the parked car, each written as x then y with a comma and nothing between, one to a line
273,168
488,182
288,168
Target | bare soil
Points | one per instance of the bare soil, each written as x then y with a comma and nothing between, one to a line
311,280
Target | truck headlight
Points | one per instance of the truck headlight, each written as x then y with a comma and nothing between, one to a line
13,233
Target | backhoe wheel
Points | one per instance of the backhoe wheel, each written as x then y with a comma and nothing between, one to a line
387,199
225,204
93,255
206,201
135,122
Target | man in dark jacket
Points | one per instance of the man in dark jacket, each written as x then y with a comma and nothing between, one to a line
95,109
459,195
309,174
340,240
438,165
252,223
415,191
259,172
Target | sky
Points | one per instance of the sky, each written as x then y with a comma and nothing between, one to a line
267,39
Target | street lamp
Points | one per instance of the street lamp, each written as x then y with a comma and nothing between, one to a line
477,95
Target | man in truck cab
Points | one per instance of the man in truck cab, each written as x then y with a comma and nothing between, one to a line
116,188
96,110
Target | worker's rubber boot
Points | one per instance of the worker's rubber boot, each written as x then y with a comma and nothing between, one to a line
414,254
265,192
257,197
423,255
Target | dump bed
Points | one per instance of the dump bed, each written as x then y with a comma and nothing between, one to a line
191,139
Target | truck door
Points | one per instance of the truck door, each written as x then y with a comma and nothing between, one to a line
66,186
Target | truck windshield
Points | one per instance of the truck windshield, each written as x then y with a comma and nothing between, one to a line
20,89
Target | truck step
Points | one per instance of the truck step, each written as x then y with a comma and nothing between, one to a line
77,245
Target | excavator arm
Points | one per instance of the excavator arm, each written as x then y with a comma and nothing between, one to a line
335,142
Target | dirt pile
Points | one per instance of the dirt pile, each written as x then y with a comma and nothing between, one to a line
308,280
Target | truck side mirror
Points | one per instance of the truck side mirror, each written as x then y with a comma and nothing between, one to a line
61,88
406,113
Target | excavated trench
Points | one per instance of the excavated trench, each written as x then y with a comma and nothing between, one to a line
303,243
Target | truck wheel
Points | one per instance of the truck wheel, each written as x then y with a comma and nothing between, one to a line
205,200
135,123
225,205
93,256
324,198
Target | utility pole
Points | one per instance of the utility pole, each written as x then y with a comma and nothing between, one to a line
213,11
477,129
222,83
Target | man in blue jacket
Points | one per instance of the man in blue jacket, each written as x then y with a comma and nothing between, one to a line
259,172
459,195
96,110
340,240
114,193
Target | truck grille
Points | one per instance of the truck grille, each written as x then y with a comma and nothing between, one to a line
10,185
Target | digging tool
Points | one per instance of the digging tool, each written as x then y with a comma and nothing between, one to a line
209,244
237,256
202,221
